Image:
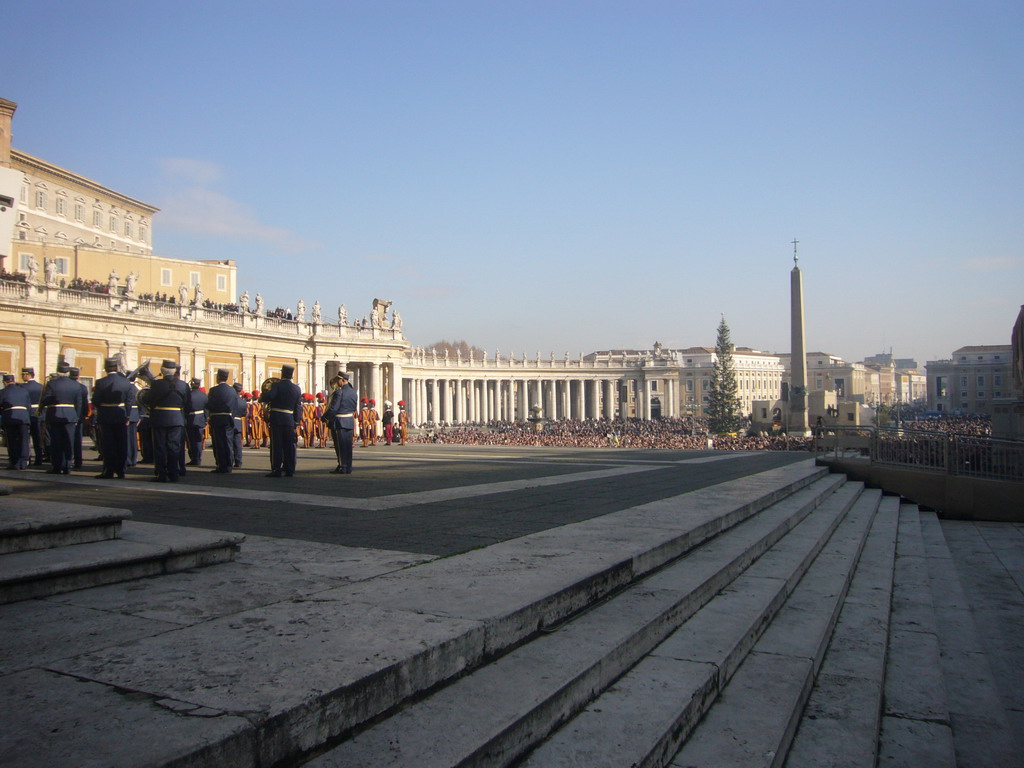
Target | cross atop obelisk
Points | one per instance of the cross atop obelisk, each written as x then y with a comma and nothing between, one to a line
795,259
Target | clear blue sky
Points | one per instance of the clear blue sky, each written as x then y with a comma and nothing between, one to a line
563,176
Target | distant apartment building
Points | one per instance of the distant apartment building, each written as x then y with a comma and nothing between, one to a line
971,379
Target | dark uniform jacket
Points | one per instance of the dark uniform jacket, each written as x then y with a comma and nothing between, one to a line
284,402
198,402
61,401
35,391
222,403
15,406
169,400
343,405
112,399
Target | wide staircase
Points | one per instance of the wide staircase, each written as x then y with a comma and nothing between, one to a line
789,618
775,639
48,547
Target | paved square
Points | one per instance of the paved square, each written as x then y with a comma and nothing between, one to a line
429,499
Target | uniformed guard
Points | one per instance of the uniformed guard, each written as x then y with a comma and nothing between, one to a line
403,421
59,405
196,423
15,405
340,416
83,415
111,400
35,391
241,409
222,404
387,419
284,402
372,417
169,400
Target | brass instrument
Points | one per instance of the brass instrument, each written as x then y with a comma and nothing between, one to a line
144,395
142,372
266,385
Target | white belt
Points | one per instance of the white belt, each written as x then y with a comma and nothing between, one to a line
111,405
166,408
16,407
283,410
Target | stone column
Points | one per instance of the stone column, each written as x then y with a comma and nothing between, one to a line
798,422
435,400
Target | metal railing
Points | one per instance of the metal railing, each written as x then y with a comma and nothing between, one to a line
954,454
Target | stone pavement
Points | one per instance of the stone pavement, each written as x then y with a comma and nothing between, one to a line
387,576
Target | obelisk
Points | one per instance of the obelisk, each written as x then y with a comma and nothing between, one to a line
798,423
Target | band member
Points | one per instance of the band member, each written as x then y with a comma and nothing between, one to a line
195,426
134,419
403,421
388,421
284,403
241,410
83,417
341,418
59,406
222,404
170,402
112,399
35,391
15,404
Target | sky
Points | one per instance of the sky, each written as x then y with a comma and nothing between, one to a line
562,176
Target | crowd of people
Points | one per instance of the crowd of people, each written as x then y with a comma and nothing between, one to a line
672,433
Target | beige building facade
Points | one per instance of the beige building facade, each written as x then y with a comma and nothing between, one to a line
972,379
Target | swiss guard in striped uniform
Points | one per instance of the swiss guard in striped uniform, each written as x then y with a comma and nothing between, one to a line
284,412
59,407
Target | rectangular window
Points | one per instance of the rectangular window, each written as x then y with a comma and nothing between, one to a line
24,194
62,265
40,199
127,229
689,385
97,218
113,224
963,381
62,206
705,385
142,233
222,283
23,260
79,212
193,279
997,381
981,381
165,276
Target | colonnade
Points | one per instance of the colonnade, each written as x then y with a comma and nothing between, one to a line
463,399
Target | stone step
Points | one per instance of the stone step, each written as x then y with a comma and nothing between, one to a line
753,719
330,663
915,727
30,524
143,549
982,736
498,712
840,723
